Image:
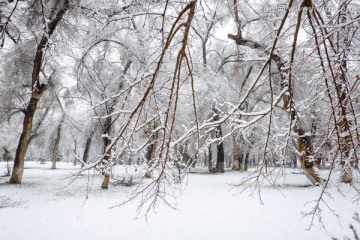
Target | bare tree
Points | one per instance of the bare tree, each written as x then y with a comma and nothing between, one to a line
37,88
305,146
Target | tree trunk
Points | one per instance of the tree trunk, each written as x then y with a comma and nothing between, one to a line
246,163
204,53
56,144
148,156
106,180
75,151
106,131
35,131
220,162
150,152
241,161
294,161
18,168
205,162
236,152
305,147
87,149
210,165
106,141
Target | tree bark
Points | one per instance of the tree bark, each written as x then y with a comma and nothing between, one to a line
23,144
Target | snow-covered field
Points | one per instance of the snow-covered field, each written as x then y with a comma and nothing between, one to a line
209,208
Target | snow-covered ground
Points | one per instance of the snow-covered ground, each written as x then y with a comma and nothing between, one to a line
209,208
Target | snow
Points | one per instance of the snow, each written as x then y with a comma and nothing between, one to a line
209,208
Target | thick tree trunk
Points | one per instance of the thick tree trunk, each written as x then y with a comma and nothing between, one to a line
19,161
56,144
36,93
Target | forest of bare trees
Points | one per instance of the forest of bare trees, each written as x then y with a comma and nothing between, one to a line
168,86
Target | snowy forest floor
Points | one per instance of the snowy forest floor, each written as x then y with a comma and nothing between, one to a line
46,207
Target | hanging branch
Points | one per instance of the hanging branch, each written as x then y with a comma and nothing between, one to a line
3,26
154,191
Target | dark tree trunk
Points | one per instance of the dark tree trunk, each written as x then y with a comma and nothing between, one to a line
221,158
87,149
241,161
210,165
19,161
220,163
246,164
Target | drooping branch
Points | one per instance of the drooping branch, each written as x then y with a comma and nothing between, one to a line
176,26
